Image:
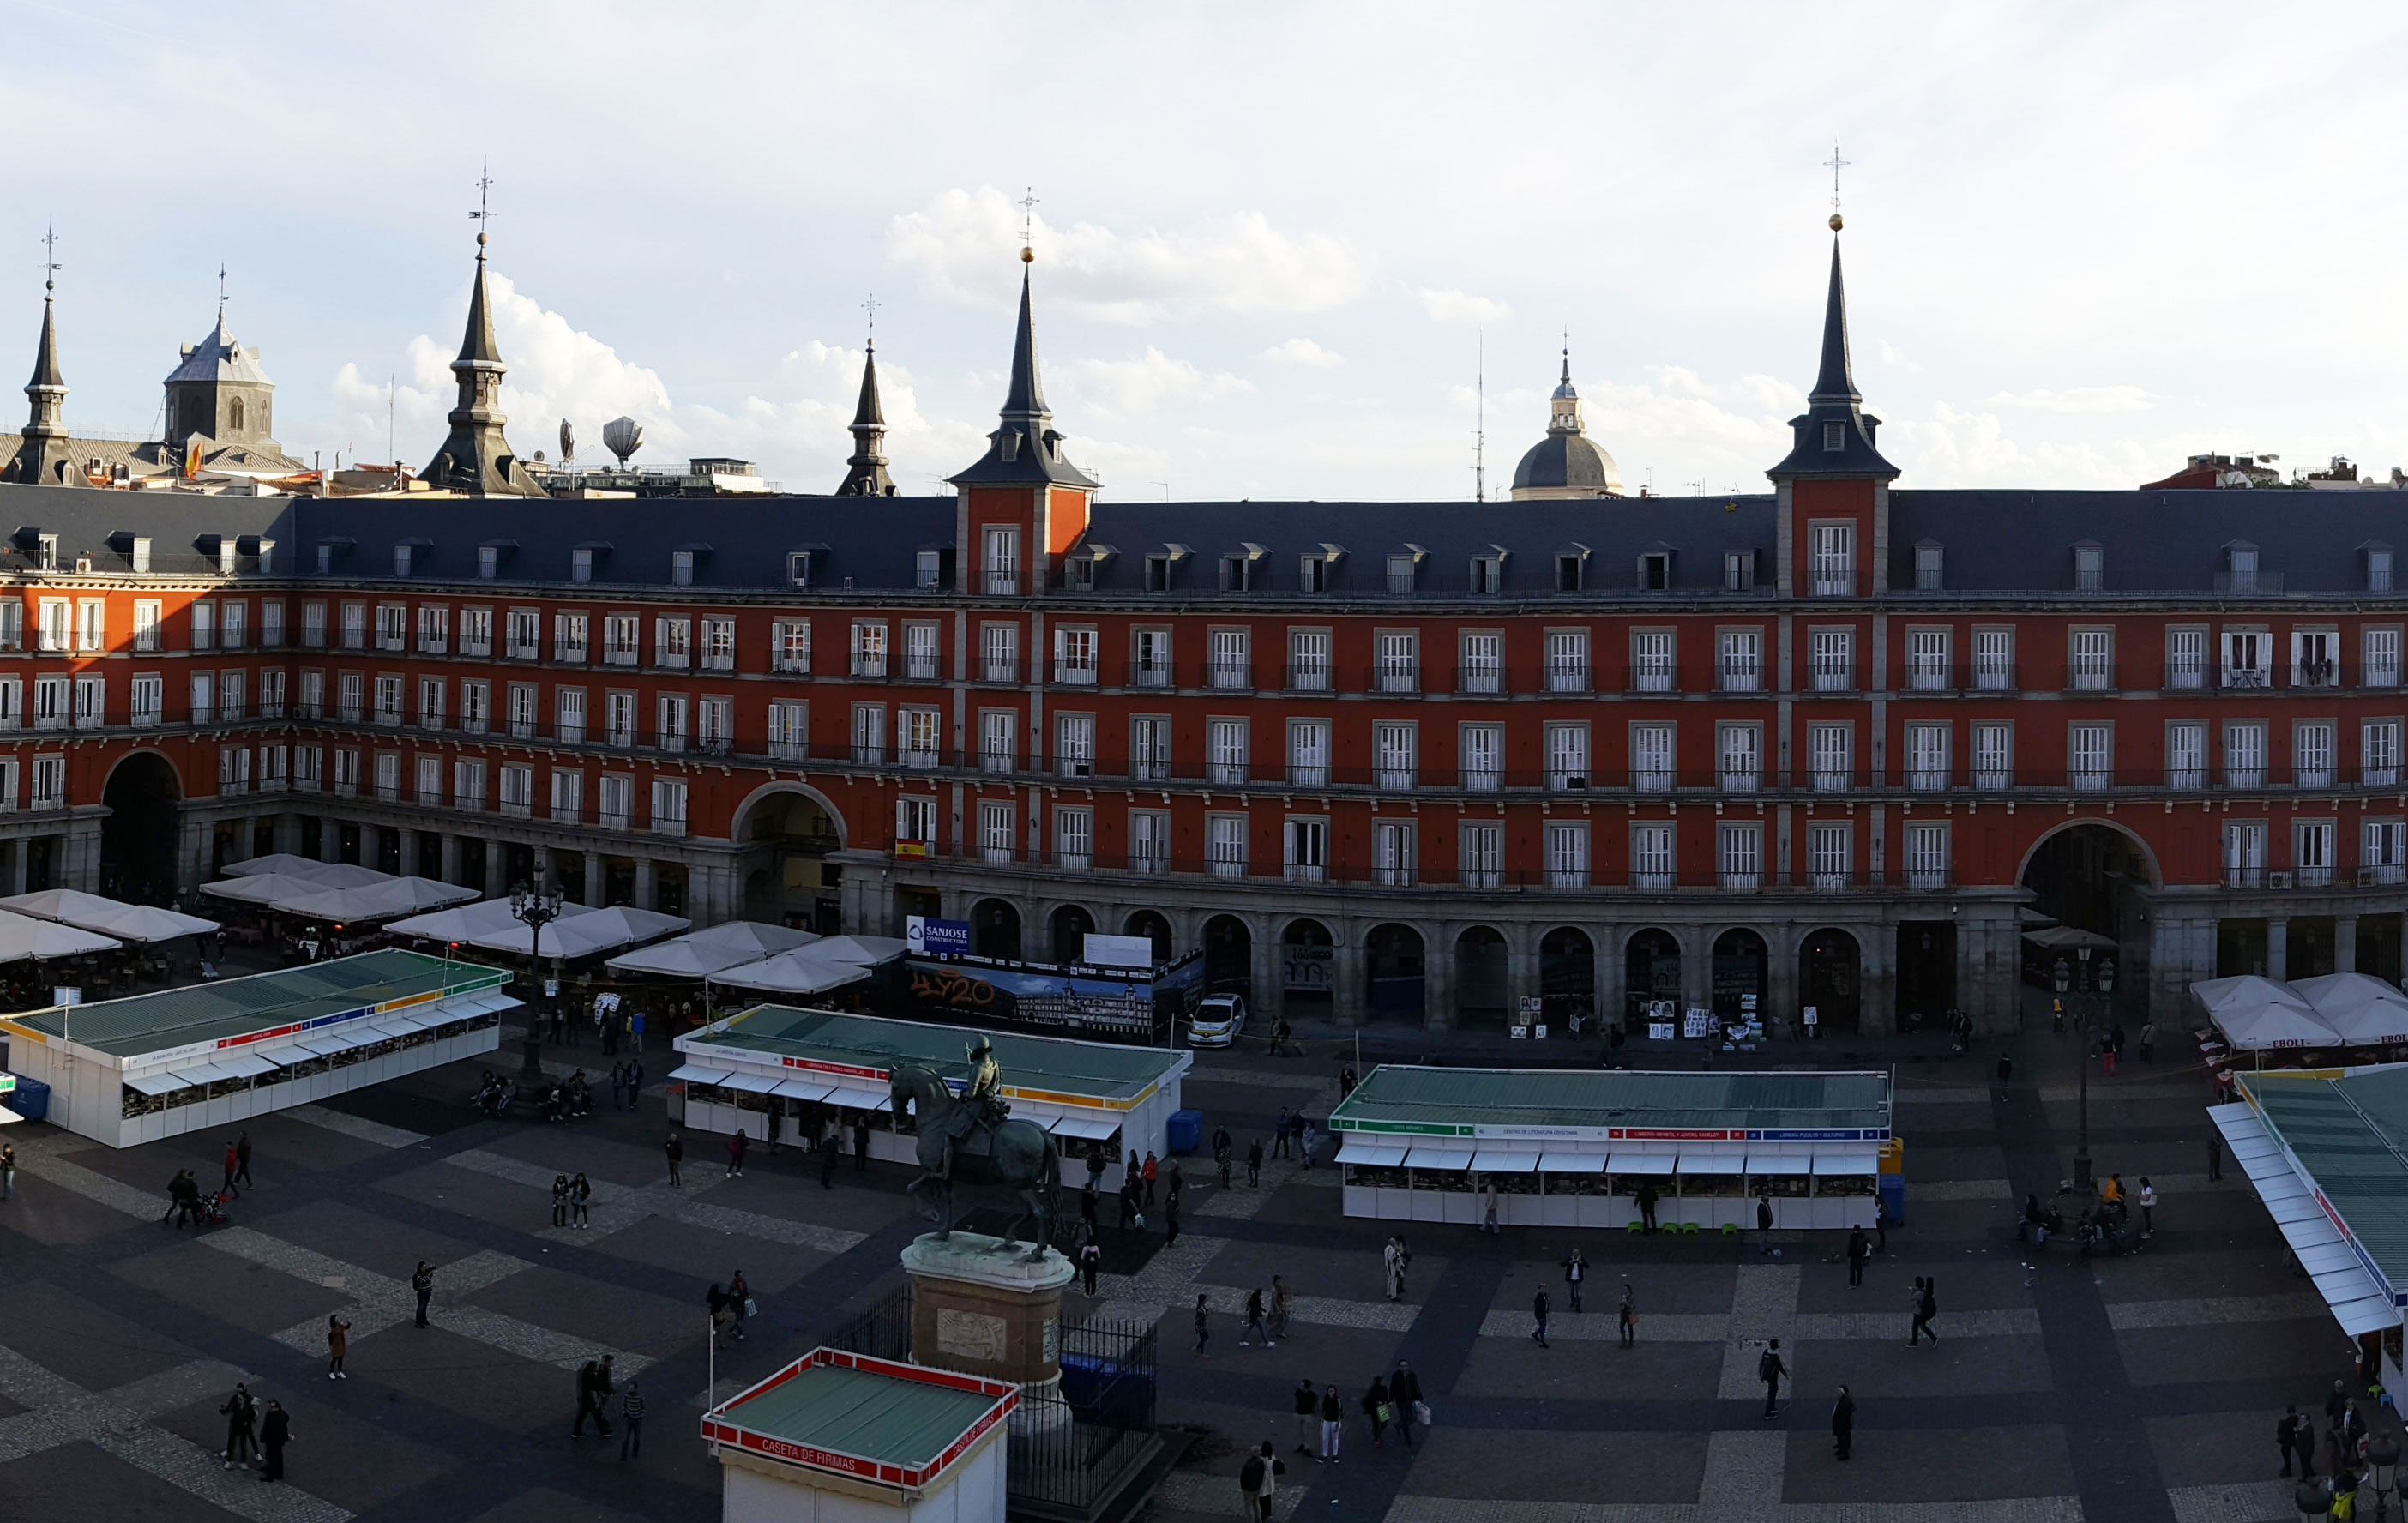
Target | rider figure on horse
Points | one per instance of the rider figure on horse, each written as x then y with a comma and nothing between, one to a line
981,1108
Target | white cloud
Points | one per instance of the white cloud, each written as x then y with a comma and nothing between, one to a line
1303,352
1113,390
2078,399
1891,357
960,245
1456,307
1954,448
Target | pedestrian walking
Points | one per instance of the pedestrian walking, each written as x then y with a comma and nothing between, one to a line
1224,1155
1629,1317
1308,1409
1377,1410
631,1416
1575,1273
1646,1199
560,1199
2304,1446
1770,1370
2287,1437
1405,1390
580,1192
1091,1260
1279,1135
1488,1205
8,1171
242,1160
1391,1267
1280,1306
231,1164
1087,1205
1256,1328
275,1432
829,1146
722,1316
1925,1306
1539,1317
593,1387
1843,1424
736,1147
1203,1324
1255,1165
1129,1201
1860,1249
739,1300
2107,1057
1174,1186
1333,1423
636,1030
242,1421
2148,1041
1258,1481
1346,1081
2215,1156
2148,1207
675,1148
1152,1176
338,1334
861,1145
2336,1417
422,1285
1764,1223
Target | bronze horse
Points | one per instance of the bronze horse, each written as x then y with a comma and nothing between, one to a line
1020,1158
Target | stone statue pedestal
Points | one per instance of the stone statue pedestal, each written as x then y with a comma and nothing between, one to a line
981,1306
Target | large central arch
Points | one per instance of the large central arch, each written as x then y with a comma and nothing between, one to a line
138,840
785,831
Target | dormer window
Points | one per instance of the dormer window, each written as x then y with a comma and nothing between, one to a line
1835,437
489,561
1007,446
798,568
140,554
681,568
1158,573
581,563
2089,568
1404,570
229,557
1243,571
1655,570
1488,571
1571,569
1928,562
402,556
2241,566
325,559
45,553
1738,570
1082,573
928,570
1317,571
2378,568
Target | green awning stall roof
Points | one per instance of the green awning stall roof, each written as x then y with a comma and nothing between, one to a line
289,998
1414,1098
1081,1070
876,1421
2350,1135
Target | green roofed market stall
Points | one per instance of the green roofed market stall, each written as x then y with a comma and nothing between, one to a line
1575,1148
136,1070
817,1067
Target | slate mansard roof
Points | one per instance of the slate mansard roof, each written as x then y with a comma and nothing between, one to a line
1997,544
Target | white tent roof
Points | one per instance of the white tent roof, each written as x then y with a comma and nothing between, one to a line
285,862
582,935
2365,1010
2256,1013
109,917
869,950
21,938
2069,938
374,902
700,954
471,922
262,889
324,874
806,970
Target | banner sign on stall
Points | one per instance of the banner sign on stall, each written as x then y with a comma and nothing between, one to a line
929,937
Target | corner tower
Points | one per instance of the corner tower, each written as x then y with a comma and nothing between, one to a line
865,474
43,453
476,458
1833,486
218,391
1022,503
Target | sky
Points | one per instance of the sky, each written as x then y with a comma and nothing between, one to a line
1278,246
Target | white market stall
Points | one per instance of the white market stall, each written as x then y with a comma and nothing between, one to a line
106,916
1577,1148
132,1070
818,1067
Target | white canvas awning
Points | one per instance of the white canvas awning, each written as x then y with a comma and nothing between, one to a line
584,934
1427,1157
813,969
2256,1013
1086,1128
1847,1161
1572,1163
157,1084
203,1074
1657,1164
860,1097
471,924
1503,1161
2363,1009
699,1073
803,1089
386,900
758,1083
245,1064
21,938
1364,1154
308,868
1712,1163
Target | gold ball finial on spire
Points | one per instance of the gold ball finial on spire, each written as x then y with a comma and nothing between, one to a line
1835,222
1027,255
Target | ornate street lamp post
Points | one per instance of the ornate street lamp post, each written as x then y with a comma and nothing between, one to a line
2383,1454
534,908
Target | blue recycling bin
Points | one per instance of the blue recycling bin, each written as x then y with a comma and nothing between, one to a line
1185,1133
31,1099
1893,1199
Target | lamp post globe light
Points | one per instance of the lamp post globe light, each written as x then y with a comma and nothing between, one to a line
2383,1455
2312,1500
534,908
2082,1177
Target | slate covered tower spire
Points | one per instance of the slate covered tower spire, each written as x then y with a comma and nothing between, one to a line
1834,436
1025,449
476,458
44,455
865,474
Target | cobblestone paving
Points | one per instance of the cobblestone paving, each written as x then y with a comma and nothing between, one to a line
614,1208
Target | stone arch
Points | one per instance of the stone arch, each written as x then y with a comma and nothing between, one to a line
742,816
1308,967
2131,838
1228,945
995,929
1067,929
138,838
783,832
1567,973
1831,978
1395,973
1651,957
1739,963
1155,928
1482,980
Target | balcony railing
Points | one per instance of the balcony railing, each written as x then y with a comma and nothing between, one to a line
2323,673
2185,674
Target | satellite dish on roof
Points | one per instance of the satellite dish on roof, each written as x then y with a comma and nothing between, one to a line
623,437
567,440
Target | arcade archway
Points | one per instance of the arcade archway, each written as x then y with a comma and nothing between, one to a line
137,841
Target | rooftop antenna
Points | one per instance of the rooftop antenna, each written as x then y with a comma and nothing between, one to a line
1166,490
389,449
1480,425
1835,164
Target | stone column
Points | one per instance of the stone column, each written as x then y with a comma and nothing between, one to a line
371,844
594,879
330,839
19,863
2344,943
406,843
497,879
1782,999
1522,970
1265,973
451,854
646,879
288,833
1606,947
1438,976
1696,968
1347,971
1877,1012
2278,949
192,841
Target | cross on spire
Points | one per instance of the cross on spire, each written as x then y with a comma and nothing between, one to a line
222,288
1027,204
871,306
484,213
49,255
1835,164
